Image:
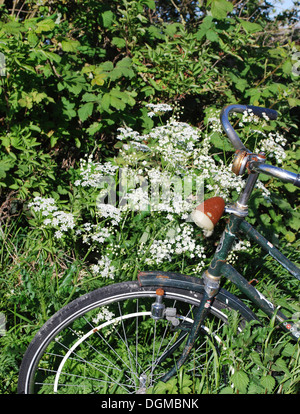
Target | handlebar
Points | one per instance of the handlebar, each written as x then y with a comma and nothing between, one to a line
239,146
277,172
228,128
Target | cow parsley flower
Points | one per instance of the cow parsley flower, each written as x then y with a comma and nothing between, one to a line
92,173
158,109
178,241
59,220
104,268
273,146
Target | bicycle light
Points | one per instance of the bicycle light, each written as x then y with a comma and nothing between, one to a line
158,308
208,213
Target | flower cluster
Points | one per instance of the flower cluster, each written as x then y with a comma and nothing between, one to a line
160,172
158,109
173,142
104,315
240,245
220,179
92,173
104,268
94,233
180,240
109,211
57,219
213,120
273,145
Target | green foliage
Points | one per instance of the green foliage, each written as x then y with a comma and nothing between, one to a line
76,71
261,361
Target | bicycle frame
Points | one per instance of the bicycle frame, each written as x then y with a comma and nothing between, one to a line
254,164
224,269
219,267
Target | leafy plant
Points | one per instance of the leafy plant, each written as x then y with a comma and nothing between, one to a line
77,71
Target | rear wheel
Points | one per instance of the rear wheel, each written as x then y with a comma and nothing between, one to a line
108,342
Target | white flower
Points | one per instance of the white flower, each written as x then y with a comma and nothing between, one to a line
109,211
55,218
93,173
273,146
94,233
179,240
104,268
58,234
158,109
45,205
104,315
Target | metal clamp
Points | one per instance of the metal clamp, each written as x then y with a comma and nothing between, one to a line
211,284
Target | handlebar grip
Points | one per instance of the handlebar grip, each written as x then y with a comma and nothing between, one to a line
259,111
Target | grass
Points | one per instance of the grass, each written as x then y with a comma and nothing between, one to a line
34,284
41,272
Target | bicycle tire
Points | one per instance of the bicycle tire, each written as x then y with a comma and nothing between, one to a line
73,343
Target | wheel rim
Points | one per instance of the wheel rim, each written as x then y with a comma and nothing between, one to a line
140,379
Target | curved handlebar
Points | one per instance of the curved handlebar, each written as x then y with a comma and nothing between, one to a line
238,145
230,132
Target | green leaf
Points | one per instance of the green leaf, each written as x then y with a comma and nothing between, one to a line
280,365
267,382
226,390
85,111
99,79
5,165
32,38
95,127
220,8
256,358
90,97
219,141
240,380
105,102
250,27
119,42
293,102
70,45
150,4
68,108
212,35
107,18
45,26
204,27
289,350
287,67
241,84
172,28
168,387
117,103
290,236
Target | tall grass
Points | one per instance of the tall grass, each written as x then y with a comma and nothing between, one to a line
64,246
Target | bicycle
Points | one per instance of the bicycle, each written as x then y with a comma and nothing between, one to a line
124,338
